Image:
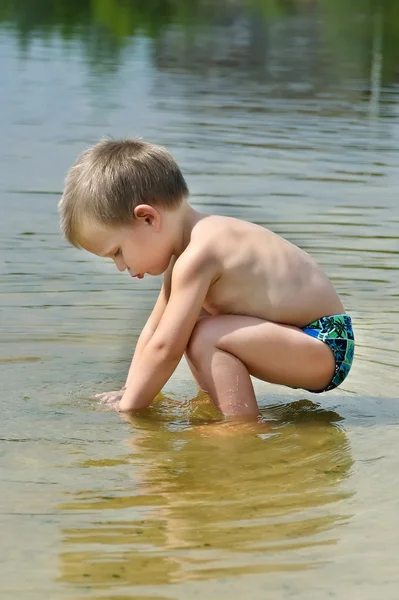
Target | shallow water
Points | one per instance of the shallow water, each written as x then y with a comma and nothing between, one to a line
288,117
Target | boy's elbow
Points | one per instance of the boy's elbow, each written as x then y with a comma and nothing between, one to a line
164,351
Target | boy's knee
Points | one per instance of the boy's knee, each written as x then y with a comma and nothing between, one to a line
202,337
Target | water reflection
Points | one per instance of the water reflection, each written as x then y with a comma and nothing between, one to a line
206,502
246,36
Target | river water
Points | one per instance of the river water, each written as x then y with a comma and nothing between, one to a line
282,113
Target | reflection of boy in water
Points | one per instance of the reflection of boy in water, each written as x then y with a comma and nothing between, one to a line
237,299
214,495
200,508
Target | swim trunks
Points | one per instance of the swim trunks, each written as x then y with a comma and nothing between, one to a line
335,331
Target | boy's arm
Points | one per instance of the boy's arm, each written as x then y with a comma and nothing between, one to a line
148,331
192,275
153,320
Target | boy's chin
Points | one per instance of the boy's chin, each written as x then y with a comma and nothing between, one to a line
156,272
160,270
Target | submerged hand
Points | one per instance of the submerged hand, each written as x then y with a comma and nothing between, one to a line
110,400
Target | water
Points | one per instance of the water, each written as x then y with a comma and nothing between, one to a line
285,114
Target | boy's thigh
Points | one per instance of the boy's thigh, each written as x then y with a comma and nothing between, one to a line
272,352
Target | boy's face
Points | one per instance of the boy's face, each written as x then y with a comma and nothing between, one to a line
139,248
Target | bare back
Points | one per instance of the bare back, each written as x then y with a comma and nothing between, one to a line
262,275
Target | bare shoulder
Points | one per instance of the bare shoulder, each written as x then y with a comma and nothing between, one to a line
212,225
218,227
200,258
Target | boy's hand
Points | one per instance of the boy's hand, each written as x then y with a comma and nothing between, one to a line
110,400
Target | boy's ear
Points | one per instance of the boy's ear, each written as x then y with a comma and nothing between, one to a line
149,215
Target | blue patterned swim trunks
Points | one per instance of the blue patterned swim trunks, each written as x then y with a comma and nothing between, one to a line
335,331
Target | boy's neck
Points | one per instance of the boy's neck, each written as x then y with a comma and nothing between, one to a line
185,218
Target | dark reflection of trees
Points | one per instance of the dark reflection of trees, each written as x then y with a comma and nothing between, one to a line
204,502
253,36
363,37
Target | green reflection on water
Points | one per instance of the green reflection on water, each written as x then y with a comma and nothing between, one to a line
361,34
210,501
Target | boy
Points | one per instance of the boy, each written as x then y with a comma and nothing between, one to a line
237,299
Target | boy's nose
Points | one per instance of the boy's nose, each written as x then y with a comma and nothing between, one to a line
120,265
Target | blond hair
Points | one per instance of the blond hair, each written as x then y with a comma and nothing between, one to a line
112,177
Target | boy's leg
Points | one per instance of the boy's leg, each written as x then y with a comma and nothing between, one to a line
200,384
225,350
